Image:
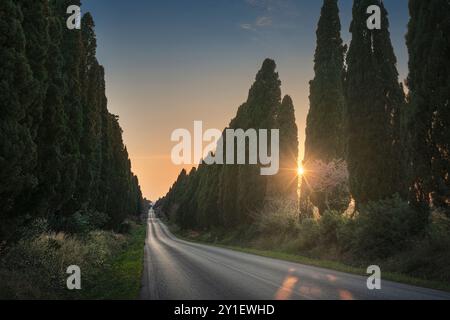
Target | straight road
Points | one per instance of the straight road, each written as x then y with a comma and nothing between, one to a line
180,270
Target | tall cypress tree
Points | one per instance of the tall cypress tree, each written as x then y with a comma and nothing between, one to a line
52,132
72,51
324,131
285,183
230,194
58,142
35,27
428,117
325,123
207,197
104,185
92,88
258,112
17,149
374,100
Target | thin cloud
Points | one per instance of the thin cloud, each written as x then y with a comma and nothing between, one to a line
261,22
246,26
269,11
268,5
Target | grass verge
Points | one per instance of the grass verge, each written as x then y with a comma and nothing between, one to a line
121,277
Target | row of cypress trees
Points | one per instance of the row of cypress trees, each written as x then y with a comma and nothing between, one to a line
393,143
428,116
226,196
61,152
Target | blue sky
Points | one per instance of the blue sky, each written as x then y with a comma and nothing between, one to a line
170,62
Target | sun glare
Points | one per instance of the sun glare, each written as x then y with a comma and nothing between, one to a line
300,171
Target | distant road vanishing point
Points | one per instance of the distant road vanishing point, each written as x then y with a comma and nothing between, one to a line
179,270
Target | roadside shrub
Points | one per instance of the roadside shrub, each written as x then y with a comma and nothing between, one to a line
429,257
81,222
383,228
308,235
35,268
329,227
278,217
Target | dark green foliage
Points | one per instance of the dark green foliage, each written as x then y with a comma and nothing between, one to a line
92,88
384,228
228,194
35,28
246,187
285,183
62,155
208,196
428,115
17,149
72,51
325,123
374,101
263,101
325,139
46,199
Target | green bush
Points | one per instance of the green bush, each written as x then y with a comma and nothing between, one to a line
329,227
35,268
308,235
81,222
278,217
383,228
429,257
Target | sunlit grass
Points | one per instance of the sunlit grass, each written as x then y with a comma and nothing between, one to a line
122,278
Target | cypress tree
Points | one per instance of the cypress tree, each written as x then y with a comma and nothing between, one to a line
229,195
92,89
325,123
259,112
58,142
324,131
105,187
208,196
187,211
35,27
52,131
71,48
285,183
428,116
263,101
374,100
172,199
17,149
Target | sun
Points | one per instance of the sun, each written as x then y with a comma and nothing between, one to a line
300,171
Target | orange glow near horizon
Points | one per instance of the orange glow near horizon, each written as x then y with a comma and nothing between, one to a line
163,76
147,126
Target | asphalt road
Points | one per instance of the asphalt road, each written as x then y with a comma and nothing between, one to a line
180,270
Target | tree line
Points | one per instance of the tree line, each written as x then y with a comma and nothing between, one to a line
213,196
394,142
62,157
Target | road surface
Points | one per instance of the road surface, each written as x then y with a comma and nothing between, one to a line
180,270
